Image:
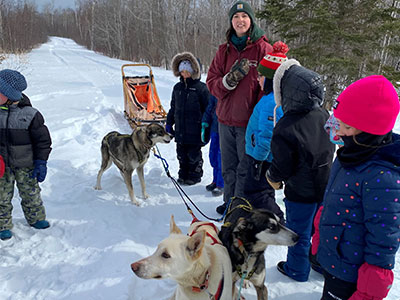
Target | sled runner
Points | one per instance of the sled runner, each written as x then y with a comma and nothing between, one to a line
142,104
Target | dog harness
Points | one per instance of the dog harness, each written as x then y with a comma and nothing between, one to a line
215,241
204,287
247,207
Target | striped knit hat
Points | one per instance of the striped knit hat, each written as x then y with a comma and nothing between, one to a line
273,60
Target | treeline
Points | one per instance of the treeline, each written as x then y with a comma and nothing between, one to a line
21,27
342,40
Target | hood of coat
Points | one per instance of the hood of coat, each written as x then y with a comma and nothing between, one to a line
391,152
297,89
176,60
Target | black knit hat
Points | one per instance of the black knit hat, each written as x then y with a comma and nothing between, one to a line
241,6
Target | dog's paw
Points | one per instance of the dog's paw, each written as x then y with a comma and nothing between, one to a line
135,202
145,196
97,187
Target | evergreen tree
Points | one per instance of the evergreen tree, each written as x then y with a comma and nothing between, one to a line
342,40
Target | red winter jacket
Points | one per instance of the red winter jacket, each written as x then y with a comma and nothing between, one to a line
235,107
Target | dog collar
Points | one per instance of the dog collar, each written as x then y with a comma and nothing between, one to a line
204,287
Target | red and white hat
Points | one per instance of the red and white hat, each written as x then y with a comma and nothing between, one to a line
273,60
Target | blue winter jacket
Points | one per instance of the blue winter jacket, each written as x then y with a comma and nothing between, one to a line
360,220
260,127
210,116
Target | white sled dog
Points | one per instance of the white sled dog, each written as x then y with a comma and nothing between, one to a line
198,262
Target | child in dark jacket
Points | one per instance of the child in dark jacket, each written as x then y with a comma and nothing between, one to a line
25,146
210,122
188,103
302,157
360,220
258,156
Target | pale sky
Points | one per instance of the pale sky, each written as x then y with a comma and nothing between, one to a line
59,4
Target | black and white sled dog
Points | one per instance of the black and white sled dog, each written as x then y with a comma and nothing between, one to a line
129,152
246,233
197,261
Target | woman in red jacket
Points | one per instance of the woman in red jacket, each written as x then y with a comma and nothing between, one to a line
232,78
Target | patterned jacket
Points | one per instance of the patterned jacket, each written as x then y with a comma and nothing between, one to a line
360,220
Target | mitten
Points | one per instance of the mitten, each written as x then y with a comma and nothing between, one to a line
168,128
256,166
373,283
39,170
238,71
2,166
275,185
204,125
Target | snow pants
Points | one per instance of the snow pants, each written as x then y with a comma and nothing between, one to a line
299,218
29,191
232,143
190,162
215,159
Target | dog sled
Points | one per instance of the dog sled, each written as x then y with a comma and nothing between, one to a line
141,102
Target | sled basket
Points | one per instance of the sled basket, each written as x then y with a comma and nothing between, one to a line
141,102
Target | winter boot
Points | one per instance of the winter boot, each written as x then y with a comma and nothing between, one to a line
211,186
221,209
5,234
42,224
217,191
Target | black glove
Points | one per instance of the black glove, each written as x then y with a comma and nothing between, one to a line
256,166
238,71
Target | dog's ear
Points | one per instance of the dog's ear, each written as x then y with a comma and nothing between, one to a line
195,244
240,226
172,226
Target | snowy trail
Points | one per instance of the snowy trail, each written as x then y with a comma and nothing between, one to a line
96,235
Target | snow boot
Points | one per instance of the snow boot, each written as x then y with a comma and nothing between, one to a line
42,224
5,234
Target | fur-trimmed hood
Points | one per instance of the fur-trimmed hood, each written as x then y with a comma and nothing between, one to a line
185,56
278,78
296,88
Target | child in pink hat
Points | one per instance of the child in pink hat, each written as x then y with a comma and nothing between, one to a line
359,225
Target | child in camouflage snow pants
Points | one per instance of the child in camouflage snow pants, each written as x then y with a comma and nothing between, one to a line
25,147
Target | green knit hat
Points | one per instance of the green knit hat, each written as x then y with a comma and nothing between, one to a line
241,6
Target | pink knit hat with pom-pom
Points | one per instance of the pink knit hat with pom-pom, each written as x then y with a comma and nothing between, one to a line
370,104
273,60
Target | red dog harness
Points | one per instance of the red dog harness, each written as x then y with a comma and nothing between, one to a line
204,287
215,241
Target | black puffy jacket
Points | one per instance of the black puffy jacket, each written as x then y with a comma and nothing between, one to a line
188,103
302,152
23,135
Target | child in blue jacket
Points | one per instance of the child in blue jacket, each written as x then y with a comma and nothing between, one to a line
210,122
